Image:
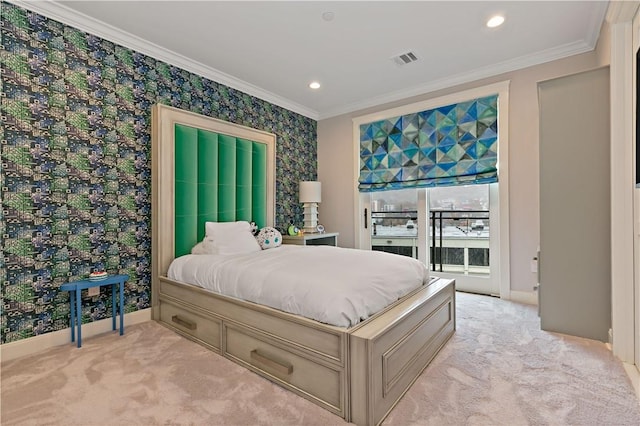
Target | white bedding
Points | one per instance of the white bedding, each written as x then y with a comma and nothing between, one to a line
337,286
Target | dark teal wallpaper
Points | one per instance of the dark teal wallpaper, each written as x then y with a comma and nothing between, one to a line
75,174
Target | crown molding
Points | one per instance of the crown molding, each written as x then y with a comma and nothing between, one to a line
61,13
522,62
621,11
68,16
594,25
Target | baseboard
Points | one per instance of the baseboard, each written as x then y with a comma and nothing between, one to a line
33,345
527,297
634,375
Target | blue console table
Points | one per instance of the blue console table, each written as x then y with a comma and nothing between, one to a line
75,289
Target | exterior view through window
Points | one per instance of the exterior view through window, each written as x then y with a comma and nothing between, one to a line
458,226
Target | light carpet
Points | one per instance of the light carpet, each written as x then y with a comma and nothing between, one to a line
498,369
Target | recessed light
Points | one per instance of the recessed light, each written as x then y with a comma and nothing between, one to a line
495,21
314,85
328,16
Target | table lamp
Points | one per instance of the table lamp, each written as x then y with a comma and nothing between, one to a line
310,196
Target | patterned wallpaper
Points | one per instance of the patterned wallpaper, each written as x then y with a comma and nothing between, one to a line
76,113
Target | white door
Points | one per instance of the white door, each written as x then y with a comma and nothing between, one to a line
453,230
467,230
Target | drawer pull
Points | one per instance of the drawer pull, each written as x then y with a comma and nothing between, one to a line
187,324
280,367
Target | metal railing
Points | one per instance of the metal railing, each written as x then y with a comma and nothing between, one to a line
442,247
463,219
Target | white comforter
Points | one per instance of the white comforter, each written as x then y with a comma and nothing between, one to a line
332,285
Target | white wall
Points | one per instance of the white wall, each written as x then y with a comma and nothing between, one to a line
336,162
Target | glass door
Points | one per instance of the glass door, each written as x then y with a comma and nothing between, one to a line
394,222
462,243
455,224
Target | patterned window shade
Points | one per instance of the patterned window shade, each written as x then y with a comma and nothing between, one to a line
450,145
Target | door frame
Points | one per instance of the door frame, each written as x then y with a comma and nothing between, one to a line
636,212
362,239
624,292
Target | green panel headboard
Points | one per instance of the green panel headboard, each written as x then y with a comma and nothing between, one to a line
218,178
204,169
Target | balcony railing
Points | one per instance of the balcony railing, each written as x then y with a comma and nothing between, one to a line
459,240
468,228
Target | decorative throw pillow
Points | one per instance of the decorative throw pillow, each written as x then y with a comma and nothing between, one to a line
269,237
254,228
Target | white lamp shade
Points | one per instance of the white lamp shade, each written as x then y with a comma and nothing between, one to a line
310,192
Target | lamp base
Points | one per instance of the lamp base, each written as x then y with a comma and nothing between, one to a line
310,217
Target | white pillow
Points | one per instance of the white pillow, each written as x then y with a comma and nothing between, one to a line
206,246
231,237
198,248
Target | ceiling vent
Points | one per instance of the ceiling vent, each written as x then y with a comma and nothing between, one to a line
405,58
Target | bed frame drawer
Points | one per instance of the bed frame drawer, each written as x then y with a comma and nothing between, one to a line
326,340
203,329
302,373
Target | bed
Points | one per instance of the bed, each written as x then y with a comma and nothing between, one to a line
207,170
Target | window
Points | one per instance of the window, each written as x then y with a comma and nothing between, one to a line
458,226
385,144
459,219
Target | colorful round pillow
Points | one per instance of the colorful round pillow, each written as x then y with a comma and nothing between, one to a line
269,237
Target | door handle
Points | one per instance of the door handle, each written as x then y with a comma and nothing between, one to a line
365,218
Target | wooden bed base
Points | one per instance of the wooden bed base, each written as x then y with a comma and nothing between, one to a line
358,373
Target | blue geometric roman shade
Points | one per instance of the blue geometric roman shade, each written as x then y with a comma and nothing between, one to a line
450,145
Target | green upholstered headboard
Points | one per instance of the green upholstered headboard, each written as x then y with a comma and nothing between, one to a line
204,169
218,178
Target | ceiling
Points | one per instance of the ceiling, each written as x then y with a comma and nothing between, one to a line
273,50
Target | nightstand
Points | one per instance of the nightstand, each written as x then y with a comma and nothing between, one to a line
324,239
75,289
